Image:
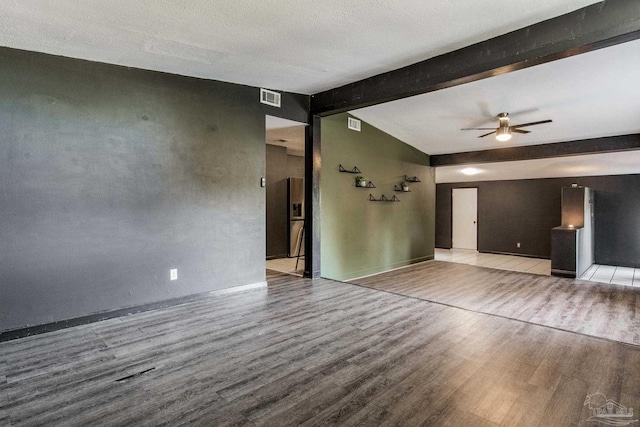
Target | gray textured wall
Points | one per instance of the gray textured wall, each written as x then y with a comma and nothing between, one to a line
110,176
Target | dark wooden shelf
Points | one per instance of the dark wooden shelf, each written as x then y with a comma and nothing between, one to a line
343,170
369,185
383,198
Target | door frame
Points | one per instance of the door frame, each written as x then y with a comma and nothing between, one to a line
477,221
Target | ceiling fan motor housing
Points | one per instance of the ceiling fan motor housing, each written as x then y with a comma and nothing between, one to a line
503,132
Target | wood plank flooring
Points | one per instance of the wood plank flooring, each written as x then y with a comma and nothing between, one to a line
602,310
305,352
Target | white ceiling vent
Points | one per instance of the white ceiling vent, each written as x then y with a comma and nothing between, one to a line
270,97
353,124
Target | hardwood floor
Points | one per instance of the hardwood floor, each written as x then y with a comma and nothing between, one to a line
305,352
601,310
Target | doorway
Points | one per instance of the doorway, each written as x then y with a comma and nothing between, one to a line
464,218
285,173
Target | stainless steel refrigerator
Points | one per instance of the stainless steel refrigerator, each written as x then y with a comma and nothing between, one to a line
295,215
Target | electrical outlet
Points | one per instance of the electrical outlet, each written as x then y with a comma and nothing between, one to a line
517,244
173,274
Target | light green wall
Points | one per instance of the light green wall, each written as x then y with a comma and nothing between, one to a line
360,237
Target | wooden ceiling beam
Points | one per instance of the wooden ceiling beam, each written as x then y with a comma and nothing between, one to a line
600,25
610,144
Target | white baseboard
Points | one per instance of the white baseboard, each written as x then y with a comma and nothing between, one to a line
412,264
241,288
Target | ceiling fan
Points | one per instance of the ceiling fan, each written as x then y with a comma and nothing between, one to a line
504,130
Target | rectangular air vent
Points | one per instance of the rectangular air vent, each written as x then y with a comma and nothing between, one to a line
353,124
270,97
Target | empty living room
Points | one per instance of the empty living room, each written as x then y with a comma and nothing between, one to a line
384,213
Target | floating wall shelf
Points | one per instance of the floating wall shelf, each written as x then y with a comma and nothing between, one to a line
383,198
369,185
396,188
354,170
410,179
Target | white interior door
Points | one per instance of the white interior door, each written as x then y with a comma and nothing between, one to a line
464,206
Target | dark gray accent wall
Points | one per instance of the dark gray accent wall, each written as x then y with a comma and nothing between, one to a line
277,166
617,225
508,212
111,176
526,210
294,106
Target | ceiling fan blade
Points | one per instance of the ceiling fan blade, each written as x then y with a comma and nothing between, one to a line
523,112
519,130
532,123
486,134
485,110
478,129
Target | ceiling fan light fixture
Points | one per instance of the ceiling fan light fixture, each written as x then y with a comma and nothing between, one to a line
504,130
503,134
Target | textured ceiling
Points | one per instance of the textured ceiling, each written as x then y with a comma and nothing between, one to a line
298,46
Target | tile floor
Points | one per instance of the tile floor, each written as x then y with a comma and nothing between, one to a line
612,274
501,262
286,265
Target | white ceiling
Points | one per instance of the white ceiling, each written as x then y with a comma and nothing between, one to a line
285,133
591,95
623,163
299,46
